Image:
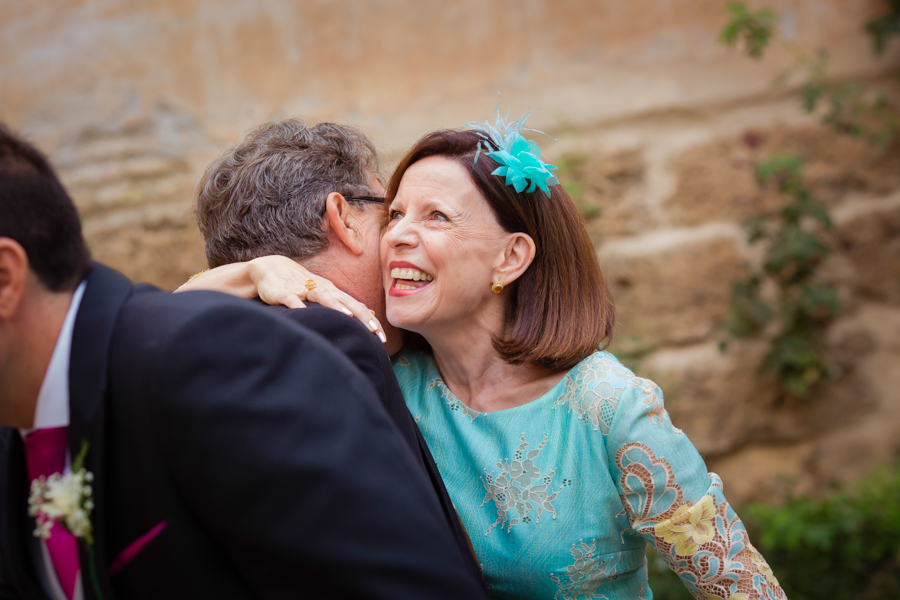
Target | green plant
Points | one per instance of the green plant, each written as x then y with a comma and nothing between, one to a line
845,546
793,318
753,28
847,107
882,28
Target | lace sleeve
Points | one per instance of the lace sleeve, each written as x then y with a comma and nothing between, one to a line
677,506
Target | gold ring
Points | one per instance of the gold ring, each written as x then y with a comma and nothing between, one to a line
310,285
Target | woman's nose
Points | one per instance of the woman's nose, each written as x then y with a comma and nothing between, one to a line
400,233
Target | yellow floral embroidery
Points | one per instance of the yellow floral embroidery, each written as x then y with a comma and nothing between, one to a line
690,527
764,569
710,596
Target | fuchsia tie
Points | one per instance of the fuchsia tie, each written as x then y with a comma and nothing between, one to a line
45,453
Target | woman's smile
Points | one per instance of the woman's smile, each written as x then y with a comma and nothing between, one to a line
407,279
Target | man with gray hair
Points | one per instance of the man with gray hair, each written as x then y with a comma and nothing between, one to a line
312,195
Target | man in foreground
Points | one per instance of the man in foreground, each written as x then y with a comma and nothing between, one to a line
190,445
310,194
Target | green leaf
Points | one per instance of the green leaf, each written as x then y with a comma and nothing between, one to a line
882,28
78,462
811,92
786,165
754,28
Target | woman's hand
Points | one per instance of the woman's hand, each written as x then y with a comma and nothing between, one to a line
280,280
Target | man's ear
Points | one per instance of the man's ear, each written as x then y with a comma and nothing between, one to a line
339,218
518,255
13,276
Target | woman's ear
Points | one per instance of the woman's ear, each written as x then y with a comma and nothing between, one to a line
340,221
518,255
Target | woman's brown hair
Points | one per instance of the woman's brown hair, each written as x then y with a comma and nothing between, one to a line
560,309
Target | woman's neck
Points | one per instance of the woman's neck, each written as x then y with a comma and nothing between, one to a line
477,375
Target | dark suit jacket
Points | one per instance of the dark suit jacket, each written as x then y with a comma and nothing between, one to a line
365,350
264,450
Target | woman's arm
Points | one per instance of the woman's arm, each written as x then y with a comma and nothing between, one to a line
676,505
280,280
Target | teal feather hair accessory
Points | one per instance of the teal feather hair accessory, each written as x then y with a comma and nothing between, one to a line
519,158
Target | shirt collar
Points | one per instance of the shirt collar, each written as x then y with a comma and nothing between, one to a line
52,408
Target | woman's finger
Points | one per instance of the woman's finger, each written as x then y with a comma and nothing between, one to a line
280,294
280,280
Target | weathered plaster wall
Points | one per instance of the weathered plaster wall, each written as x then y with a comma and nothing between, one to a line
671,193
133,99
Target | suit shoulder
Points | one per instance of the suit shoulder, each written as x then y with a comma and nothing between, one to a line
152,319
345,332
173,310
316,316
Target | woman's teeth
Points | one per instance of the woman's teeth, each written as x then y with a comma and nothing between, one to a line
410,275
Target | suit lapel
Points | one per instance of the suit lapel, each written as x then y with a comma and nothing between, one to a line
16,528
103,298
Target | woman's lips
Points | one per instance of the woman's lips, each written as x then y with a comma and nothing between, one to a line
401,287
407,278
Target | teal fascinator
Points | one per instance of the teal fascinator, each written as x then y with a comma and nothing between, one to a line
519,158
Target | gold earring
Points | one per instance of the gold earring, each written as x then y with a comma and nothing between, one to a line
497,288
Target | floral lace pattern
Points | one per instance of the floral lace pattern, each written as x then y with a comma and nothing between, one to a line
437,384
521,487
704,543
656,412
595,406
584,576
593,394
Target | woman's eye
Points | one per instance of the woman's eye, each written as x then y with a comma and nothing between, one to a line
439,216
394,215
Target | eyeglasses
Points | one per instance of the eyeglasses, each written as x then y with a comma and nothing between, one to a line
366,198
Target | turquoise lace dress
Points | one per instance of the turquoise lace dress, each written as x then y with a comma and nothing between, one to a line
561,496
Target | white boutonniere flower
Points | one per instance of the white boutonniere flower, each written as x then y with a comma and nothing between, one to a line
67,500
63,499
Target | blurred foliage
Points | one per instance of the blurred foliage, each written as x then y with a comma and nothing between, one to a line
793,314
793,319
847,107
882,28
842,547
567,173
754,29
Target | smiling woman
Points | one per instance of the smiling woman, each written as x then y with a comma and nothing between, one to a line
562,463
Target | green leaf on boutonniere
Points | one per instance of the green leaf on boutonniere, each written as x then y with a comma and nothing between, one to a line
78,463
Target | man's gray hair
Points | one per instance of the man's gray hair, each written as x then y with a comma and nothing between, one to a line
266,195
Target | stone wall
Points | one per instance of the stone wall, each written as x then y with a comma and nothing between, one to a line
666,199
656,122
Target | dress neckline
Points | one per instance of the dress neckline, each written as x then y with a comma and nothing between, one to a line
551,394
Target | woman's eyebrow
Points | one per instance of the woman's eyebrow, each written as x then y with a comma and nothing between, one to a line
432,203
